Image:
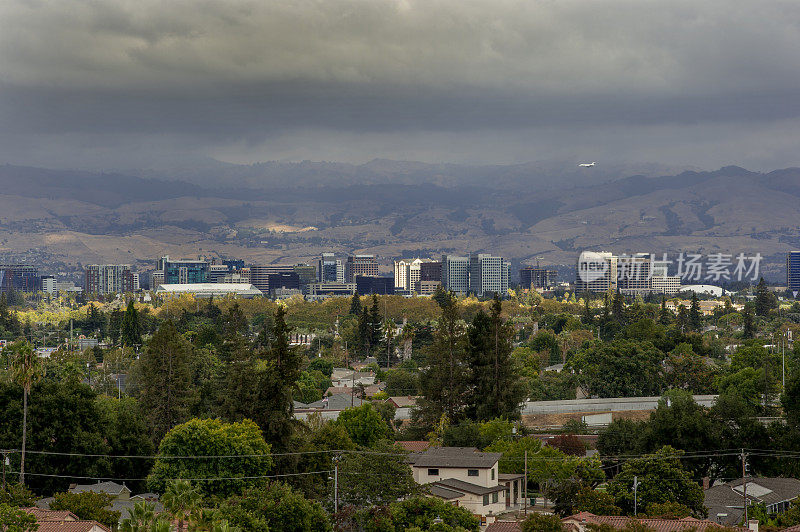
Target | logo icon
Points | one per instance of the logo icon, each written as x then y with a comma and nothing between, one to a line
592,266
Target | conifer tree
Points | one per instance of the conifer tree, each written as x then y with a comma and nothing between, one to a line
443,383
496,389
749,322
131,330
695,321
164,378
665,316
355,305
765,300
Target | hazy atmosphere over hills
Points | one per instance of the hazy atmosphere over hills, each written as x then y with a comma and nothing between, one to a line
287,212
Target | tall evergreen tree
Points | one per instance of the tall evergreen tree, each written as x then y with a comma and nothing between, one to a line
131,330
164,376
496,389
355,305
682,320
618,307
279,373
695,319
375,322
364,332
749,322
444,381
765,300
664,316
588,317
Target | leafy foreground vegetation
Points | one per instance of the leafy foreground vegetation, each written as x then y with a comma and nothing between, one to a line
204,413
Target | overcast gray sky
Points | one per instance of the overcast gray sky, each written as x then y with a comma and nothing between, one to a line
113,83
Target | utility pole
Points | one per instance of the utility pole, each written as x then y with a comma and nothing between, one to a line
744,484
5,460
635,496
335,488
525,482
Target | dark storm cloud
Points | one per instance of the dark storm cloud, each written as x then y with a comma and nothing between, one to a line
97,81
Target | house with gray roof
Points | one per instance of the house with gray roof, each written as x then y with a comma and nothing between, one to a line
467,477
725,502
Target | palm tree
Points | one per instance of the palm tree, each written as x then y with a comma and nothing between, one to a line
140,519
181,500
26,369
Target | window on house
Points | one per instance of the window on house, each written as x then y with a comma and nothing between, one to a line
433,472
494,496
492,473
485,500
472,472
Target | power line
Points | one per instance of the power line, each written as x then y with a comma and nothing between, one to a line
257,477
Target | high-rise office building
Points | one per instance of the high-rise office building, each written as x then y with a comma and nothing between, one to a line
307,274
488,275
634,273
535,277
661,282
283,280
368,284
185,271
455,274
596,272
216,272
49,284
408,272
430,271
793,271
19,278
329,269
259,274
355,265
110,279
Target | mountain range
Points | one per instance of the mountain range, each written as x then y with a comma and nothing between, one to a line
287,212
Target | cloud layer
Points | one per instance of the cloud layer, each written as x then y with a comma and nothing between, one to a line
90,82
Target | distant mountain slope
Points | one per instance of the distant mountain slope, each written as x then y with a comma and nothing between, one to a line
289,212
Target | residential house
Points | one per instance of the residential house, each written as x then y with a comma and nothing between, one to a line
63,521
122,499
328,407
724,501
468,478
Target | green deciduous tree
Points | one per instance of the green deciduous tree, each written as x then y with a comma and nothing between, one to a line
87,505
243,454
276,507
619,369
375,478
537,522
661,478
12,519
363,424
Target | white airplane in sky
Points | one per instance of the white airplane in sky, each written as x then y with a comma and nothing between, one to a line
587,165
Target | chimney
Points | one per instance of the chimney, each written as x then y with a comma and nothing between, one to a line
752,525
706,483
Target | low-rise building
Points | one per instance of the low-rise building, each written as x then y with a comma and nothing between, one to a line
209,290
468,478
